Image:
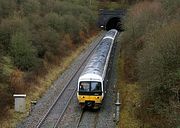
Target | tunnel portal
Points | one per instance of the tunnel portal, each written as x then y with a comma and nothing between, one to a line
114,23
111,19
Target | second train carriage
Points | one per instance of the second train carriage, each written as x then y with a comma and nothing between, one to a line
91,88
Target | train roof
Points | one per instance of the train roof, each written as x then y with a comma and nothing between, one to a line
111,34
90,77
98,59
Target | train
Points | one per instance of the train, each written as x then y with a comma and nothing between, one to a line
91,83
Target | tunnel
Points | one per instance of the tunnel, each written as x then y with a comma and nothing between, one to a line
114,23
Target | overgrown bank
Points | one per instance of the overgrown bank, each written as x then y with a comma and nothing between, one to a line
37,91
35,37
150,58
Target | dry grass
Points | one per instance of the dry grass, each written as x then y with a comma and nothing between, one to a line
140,8
150,45
130,95
44,83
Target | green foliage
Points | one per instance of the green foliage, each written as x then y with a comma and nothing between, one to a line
171,6
37,33
6,98
140,20
158,66
71,25
152,58
31,6
22,51
85,3
6,67
117,4
8,27
50,41
6,8
54,21
45,22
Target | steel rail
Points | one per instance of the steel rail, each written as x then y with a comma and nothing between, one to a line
60,117
79,120
95,120
47,113
81,117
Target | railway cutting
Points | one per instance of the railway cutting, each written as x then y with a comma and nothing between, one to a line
61,109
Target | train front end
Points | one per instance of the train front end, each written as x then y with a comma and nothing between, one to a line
90,91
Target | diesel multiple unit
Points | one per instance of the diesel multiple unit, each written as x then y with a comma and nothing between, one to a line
91,87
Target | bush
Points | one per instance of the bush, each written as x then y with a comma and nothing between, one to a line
37,33
151,47
50,40
30,6
22,51
171,6
54,21
158,67
6,8
8,27
6,67
5,102
142,19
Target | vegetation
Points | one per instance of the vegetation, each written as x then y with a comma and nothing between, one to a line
116,4
151,60
35,35
43,83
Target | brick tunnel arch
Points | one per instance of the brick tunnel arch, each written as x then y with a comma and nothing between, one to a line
114,23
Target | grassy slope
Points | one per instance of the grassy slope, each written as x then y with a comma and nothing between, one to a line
44,84
129,95
146,15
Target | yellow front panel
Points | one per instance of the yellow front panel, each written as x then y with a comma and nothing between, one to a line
83,98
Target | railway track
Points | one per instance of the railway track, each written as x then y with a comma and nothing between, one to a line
79,120
92,116
56,111
92,119
74,117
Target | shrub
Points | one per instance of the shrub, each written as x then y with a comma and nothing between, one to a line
49,40
23,53
37,33
17,82
6,8
158,69
8,27
142,19
151,46
5,102
6,67
54,21
30,6
171,6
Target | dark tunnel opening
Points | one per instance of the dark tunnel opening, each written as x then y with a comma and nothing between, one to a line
114,23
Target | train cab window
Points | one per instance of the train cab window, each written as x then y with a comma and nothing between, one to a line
95,86
84,86
90,88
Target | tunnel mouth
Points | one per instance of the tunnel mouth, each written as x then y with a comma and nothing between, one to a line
114,23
